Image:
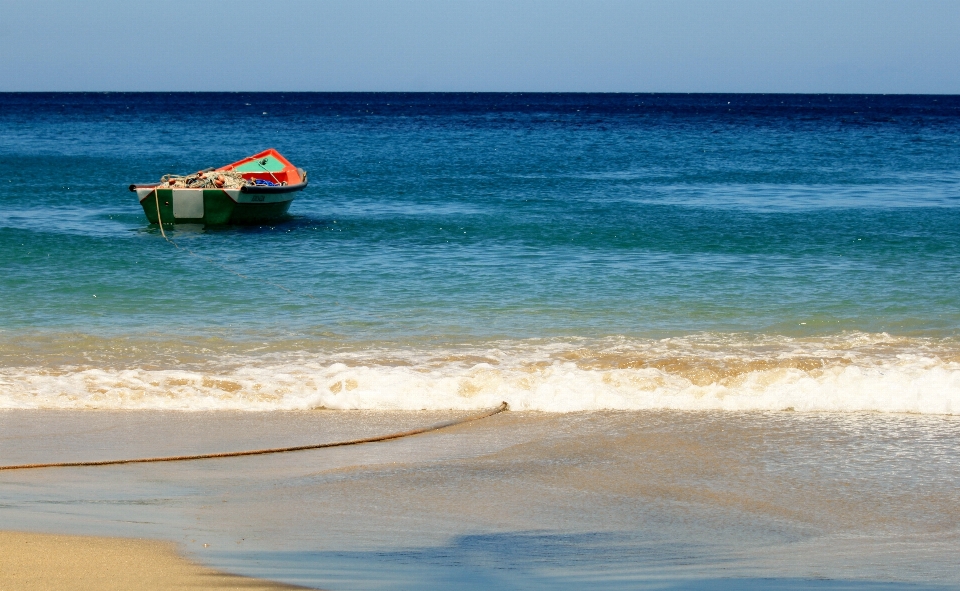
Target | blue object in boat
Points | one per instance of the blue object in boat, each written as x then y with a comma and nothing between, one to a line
264,183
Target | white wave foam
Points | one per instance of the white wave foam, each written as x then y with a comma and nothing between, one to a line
861,373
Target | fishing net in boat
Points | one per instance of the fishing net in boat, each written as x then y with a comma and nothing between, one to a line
211,179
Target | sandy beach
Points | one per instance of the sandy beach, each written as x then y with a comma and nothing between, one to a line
31,561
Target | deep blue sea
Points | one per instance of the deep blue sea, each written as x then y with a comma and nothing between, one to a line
558,251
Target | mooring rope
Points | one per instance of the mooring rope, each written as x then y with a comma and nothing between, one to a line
273,450
216,263
156,197
223,267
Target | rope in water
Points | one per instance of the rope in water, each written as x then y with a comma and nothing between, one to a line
223,267
273,450
215,263
156,199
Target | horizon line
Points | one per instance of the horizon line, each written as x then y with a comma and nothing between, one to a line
475,92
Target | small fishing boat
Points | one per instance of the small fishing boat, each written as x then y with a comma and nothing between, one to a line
258,188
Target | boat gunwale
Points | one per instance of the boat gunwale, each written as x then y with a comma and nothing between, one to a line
244,189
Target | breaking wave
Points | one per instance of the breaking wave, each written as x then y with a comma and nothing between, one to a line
847,373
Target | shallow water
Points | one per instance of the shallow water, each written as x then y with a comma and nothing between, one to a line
611,500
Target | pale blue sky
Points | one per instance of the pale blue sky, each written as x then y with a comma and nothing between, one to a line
876,46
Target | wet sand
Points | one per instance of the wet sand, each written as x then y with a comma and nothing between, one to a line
30,561
611,500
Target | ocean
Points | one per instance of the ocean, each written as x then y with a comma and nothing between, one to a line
768,278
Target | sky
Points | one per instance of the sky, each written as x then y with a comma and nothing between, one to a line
842,46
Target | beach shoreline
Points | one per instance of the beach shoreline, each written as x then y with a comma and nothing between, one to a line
38,561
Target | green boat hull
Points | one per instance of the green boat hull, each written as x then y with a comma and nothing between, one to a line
212,207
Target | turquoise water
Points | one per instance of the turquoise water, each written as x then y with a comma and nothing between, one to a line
690,235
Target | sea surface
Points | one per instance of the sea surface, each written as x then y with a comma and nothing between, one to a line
559,252
727,326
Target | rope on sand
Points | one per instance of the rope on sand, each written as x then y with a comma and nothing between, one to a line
274,450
